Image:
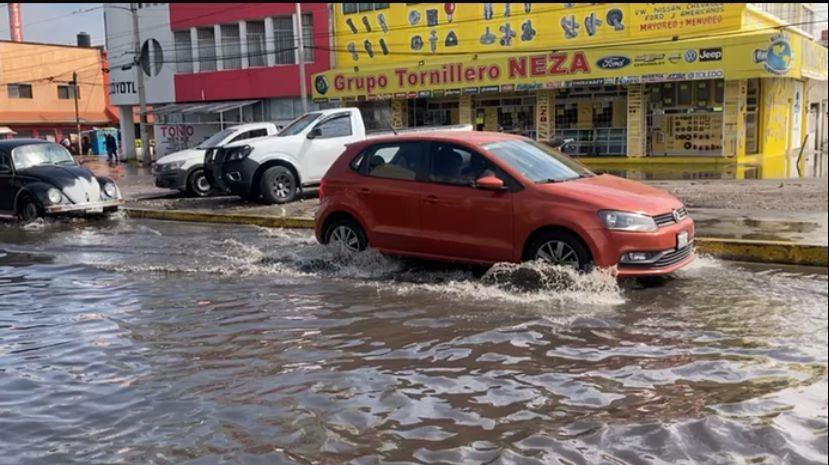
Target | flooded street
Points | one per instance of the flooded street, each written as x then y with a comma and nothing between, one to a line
126,341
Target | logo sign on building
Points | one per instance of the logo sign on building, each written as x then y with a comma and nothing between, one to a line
613,62
640,63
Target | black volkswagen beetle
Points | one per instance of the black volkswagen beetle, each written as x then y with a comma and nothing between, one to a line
40,178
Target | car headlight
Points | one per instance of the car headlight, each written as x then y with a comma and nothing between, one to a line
54,196
626,221
238,153
173,165
110,190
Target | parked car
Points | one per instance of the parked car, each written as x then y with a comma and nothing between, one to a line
484,197
277,169
184,170
40,178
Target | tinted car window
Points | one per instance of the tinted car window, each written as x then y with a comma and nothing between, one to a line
215,139
451,164
250,134
405,160
338,126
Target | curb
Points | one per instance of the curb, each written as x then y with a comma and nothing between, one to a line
777,252
204,217
773,252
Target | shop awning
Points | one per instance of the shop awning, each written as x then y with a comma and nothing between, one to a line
191,108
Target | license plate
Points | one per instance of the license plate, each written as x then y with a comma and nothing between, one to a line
682,240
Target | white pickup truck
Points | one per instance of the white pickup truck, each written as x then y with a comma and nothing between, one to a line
183,170
277,169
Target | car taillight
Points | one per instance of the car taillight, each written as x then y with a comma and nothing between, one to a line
322,188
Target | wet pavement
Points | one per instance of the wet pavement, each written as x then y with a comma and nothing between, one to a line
126,341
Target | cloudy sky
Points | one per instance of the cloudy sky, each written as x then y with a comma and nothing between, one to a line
57,22
60,22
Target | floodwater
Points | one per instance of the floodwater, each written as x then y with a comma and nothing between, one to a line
156,343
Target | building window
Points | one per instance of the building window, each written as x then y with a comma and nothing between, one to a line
308,36
349,8
67,92
184,52
256,43
807,20
283,40
207,49
20,90
231,46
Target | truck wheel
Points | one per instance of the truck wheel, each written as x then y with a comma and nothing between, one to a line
346,234
278,185
197,184
559,248
28,210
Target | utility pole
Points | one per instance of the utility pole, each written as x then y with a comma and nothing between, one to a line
303,91
77,115
146,158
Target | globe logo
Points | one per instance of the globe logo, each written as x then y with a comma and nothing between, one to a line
321,84
690,55
778,57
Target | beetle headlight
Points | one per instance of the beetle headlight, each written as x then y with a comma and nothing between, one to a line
54,195
626,221
110,190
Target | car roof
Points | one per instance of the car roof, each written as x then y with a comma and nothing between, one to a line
246,126
477,138
9,144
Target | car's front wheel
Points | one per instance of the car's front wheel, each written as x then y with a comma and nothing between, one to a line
28,209
559,248
278,185
346,234
197,184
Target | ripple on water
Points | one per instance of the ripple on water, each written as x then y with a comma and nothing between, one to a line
225,345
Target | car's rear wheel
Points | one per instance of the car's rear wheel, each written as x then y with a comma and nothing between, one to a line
346,234
278,185
559,248
28,209
197,184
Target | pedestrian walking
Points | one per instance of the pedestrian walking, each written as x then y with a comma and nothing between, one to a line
85,146
112,149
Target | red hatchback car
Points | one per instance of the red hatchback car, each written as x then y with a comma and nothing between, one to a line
483,197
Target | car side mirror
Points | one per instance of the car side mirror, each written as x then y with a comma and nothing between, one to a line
5,169
489,183
314,133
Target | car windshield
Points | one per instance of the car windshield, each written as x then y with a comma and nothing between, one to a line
27,156
215,139
536,162
299,124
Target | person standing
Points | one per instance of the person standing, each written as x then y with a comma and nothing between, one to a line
112,148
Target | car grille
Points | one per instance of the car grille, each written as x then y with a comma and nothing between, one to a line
668,218
673,257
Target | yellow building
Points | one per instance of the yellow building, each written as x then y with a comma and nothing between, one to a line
714,82
37,97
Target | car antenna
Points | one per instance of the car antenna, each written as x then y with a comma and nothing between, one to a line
391,126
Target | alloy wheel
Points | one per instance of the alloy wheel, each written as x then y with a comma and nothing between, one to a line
282,186
201,184
558,253
345,238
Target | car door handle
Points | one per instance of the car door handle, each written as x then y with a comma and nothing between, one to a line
431,199
365,190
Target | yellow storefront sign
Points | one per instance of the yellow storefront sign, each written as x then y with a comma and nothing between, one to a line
747,55
368,34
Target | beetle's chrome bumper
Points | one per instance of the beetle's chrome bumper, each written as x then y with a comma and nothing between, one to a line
89,207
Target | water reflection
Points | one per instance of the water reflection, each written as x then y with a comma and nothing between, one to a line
208,344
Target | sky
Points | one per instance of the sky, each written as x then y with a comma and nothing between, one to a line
60,22
57,23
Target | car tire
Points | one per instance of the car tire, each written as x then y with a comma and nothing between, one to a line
347,233
197,184
559,248
278,185
29,209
